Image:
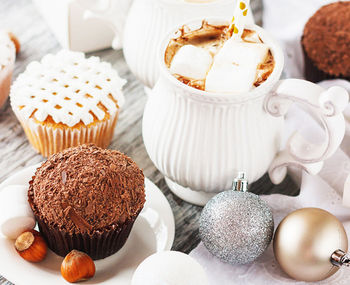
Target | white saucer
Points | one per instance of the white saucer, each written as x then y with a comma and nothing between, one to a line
153,231
198,198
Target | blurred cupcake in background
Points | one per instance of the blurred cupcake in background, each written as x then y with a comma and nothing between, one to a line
8,47
326,43
66,100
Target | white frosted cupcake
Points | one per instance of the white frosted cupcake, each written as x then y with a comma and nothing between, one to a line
7,60
66,100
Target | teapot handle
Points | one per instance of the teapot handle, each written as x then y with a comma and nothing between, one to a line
115,21
325,106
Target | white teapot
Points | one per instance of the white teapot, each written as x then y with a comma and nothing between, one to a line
112,13
199,139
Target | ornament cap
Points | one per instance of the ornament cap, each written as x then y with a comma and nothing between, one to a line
340,258
240,183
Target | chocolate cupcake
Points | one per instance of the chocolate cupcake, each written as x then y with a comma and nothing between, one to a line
326,42
87,198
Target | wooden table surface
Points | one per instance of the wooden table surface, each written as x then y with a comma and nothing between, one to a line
21,17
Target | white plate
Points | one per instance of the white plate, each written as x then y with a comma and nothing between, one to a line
153,231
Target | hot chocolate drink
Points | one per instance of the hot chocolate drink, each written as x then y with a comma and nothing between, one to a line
209,59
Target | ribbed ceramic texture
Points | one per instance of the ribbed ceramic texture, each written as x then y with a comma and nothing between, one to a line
150,20
49,140
201,142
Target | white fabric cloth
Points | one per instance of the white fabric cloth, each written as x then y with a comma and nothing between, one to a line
285,20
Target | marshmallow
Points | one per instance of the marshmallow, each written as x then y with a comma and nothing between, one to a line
16,220
16,215
14,194
170,268
191,62
235,67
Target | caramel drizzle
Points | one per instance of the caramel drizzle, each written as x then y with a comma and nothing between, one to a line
205,34
198,84
267,68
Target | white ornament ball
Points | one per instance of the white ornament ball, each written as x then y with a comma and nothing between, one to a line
169,268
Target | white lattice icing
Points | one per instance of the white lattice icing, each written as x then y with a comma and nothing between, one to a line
7,50
68,87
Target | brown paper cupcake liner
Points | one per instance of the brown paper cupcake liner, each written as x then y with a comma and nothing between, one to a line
49,140
99,244
313,74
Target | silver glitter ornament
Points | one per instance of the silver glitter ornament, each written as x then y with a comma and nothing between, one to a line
236,226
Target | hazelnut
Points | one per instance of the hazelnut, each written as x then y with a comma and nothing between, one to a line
31,246
77,266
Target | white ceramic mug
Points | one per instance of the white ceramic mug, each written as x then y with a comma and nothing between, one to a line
198,140
147,23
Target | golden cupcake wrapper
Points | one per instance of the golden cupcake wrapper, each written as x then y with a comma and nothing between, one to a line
49,140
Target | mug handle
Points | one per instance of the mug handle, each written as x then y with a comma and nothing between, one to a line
325,106
108,16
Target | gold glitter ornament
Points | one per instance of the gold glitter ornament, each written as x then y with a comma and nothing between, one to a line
236,226
310,244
